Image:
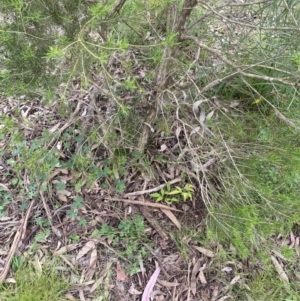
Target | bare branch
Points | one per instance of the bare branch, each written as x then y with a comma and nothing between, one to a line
117,8
187,9
238,68
254,26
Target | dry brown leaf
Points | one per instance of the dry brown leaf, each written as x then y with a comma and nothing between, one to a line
167,284
195,270
150,285
101,277
67,262
90,245
215,292
172,217
93,258
293,240
54,128
65,192
70,297
91,269
202,277
65,249
279,269
62,197
163,147
177,132
210,115
134,291
10,280
204,251
81,295
235,279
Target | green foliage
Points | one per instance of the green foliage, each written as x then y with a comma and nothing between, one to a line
76,205
249,75
175,195
129,237
5,199
260,193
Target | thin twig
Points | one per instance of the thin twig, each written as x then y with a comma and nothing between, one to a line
117,8
141,192
236,67
254,26
140,203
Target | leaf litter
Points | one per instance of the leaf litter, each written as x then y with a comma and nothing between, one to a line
190,274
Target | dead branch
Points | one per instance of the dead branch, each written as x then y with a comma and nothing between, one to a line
140,203
117,8
187,9
238,68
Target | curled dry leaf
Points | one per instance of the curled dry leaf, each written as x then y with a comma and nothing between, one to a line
54,128
134,291
279,269
177,132
100,277
65,192
204,251
235,279
293,240
197,104
195,130
92,264
163,147
66,249
90,245
226,269
10,280
172,217
167,284
70,297
202,116
210,115
81,295
202,277
195,271
62,197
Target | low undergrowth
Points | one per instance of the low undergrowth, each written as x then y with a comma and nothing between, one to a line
103,100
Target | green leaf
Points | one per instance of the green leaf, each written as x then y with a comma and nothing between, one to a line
82,222
72,214
54,52
173,192
78,203
160,198
168,186
155,195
